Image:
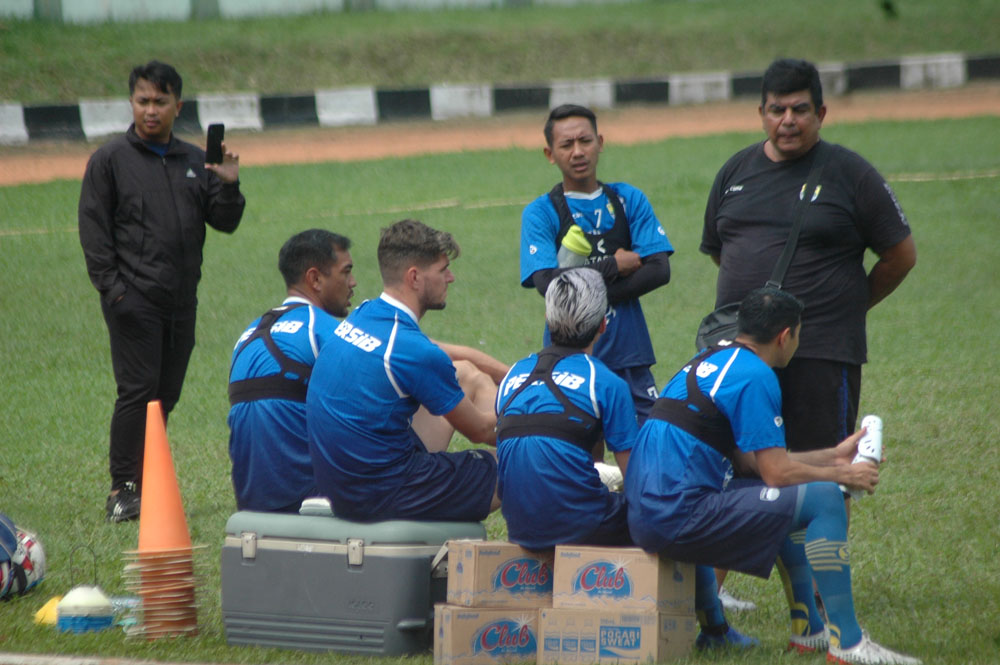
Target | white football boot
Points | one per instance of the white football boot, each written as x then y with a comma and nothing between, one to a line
869,652
731,603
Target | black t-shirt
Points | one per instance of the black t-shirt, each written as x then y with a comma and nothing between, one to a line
747,221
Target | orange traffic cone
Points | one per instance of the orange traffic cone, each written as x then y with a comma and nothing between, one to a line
163,570
162,525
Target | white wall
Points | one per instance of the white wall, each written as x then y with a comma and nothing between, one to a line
96,11
22,9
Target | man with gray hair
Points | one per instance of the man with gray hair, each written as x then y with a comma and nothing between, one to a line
553,406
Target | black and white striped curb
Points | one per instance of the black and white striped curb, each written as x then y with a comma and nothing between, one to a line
92,119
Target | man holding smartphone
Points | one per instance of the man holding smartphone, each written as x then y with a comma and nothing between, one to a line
145,201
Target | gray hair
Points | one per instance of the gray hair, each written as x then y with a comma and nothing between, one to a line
575,304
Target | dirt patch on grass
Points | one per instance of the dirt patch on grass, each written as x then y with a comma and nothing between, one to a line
42,161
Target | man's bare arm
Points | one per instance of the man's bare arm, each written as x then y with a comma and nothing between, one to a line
476,425
890,270
486,363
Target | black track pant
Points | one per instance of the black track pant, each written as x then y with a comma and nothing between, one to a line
150,349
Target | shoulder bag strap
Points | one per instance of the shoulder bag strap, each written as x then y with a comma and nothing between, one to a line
808,192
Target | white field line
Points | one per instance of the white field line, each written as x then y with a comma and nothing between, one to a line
933,177
503,203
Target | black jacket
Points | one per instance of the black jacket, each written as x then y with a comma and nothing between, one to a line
142,219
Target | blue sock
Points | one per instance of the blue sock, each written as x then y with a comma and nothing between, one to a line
706,598
822,514
796,576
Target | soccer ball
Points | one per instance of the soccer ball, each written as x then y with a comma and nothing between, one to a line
8,546
31,558
4,578
22,559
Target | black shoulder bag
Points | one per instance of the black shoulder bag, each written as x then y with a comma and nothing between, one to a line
721,324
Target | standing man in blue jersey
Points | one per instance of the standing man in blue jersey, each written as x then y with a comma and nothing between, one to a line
609,227
146,199
552,409
371,379
720,413
271,366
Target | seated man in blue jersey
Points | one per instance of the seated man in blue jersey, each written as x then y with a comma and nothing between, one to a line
723,411
371,379
610,227
271,365
553,407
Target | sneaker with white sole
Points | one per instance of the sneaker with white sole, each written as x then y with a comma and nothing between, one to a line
868,652
123,505
734,604
611,476
810,643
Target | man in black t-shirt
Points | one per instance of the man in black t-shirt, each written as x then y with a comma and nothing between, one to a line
747,221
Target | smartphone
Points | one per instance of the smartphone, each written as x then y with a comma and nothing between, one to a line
213,146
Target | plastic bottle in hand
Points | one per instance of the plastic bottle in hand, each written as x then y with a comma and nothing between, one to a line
575,248
869,448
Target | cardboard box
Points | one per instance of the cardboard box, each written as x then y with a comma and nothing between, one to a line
484,636
621,578
586,637
498,574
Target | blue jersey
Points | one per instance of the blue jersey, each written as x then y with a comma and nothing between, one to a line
268,444
550,491
366,386
669,468
626,341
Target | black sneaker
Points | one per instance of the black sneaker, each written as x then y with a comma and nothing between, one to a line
124,505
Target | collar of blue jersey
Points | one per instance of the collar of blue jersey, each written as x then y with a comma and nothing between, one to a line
399,305
294,299
583,196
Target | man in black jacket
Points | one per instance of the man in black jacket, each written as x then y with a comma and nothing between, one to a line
145,200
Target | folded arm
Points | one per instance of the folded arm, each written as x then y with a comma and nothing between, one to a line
626,275
652,274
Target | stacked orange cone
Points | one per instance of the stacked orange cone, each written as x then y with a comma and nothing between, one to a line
162,570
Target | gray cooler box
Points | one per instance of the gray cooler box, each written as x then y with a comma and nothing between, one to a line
320,583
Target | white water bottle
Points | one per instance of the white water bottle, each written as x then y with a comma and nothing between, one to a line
870,445
869,448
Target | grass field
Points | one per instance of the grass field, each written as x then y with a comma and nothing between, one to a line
42,62
925,545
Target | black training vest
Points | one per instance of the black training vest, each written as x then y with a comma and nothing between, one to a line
618,236
697,415
573,425
275,386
